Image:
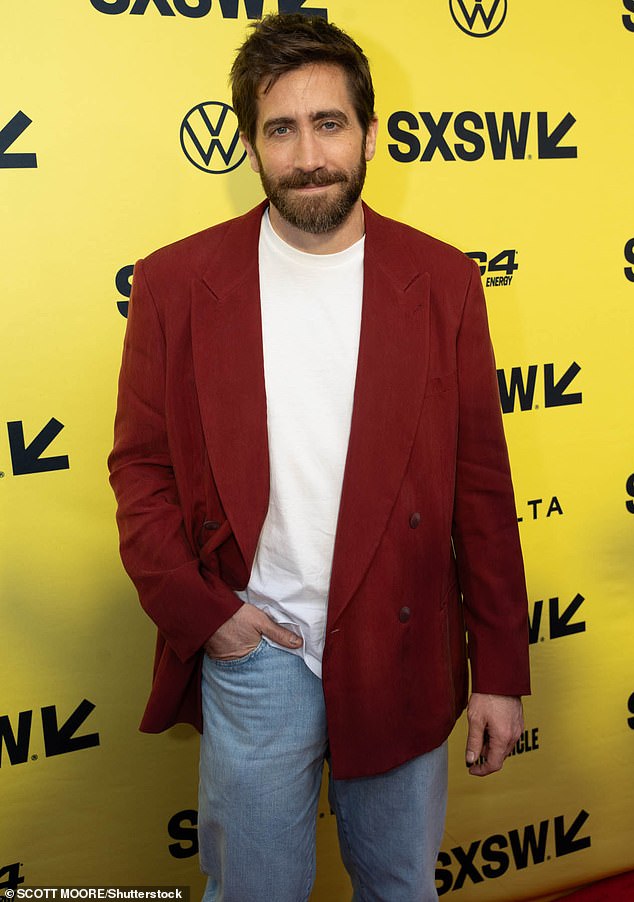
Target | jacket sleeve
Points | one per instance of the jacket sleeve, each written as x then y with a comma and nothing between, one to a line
485,530
187,601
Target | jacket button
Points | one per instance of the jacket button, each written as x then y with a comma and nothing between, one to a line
404,615
211,524
414,520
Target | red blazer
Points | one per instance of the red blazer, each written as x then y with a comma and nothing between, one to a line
427,540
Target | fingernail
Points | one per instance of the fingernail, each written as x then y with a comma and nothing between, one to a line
470,758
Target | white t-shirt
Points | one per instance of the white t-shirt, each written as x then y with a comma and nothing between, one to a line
311,320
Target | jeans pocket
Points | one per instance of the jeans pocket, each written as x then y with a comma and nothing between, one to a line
237,662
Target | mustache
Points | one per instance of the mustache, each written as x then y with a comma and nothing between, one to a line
318,178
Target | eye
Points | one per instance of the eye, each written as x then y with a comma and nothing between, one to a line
281,130
330,125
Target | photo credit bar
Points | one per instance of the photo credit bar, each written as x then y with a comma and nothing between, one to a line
150,893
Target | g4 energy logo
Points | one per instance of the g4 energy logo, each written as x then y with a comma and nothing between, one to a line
502,265
478,18
10,876
210,137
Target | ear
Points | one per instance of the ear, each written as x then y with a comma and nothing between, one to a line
253,157
370,139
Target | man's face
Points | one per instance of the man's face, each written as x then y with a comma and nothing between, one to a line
310,150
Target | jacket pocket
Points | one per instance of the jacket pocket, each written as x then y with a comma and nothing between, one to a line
243,659
219,532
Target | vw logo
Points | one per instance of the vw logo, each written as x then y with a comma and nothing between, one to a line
478,18
210,137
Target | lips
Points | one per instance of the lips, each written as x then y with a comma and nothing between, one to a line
313,180
313,187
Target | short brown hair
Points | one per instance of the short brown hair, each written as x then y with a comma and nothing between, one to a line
282,43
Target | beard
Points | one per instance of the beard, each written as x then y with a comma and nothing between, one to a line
323,212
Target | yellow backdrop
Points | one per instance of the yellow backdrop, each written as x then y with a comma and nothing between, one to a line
506,129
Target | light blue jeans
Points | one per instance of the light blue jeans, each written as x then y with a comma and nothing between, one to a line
261,760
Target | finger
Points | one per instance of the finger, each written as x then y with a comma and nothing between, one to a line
481,770
230,654
494,754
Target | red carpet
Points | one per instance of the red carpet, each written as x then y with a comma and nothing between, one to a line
614,889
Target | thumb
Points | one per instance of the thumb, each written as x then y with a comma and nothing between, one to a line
475,742
279,634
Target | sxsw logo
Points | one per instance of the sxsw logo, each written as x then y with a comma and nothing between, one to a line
27,457
629,256
559,622
58,738
210,137
183,828
518,387
522,847
628,21
629,488
123,284
469,135
10,133
196,9
478,18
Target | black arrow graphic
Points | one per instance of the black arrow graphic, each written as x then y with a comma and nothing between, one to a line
554,391
27,458
297,6
10,133
58,740
565,841
560,624
549,148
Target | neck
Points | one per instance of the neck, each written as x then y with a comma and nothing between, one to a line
345,235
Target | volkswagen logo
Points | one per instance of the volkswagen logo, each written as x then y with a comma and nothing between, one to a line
478,18
210,137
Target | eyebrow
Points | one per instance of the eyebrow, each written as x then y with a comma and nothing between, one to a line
318,115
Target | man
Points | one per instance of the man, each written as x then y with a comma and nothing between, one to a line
315,499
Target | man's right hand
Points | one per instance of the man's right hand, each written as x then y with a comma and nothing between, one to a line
242,633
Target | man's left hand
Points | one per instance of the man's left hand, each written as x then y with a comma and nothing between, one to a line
496,723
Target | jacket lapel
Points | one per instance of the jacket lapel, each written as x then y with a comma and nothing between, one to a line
229,368
390,385
389,388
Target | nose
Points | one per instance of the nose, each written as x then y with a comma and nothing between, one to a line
309,154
